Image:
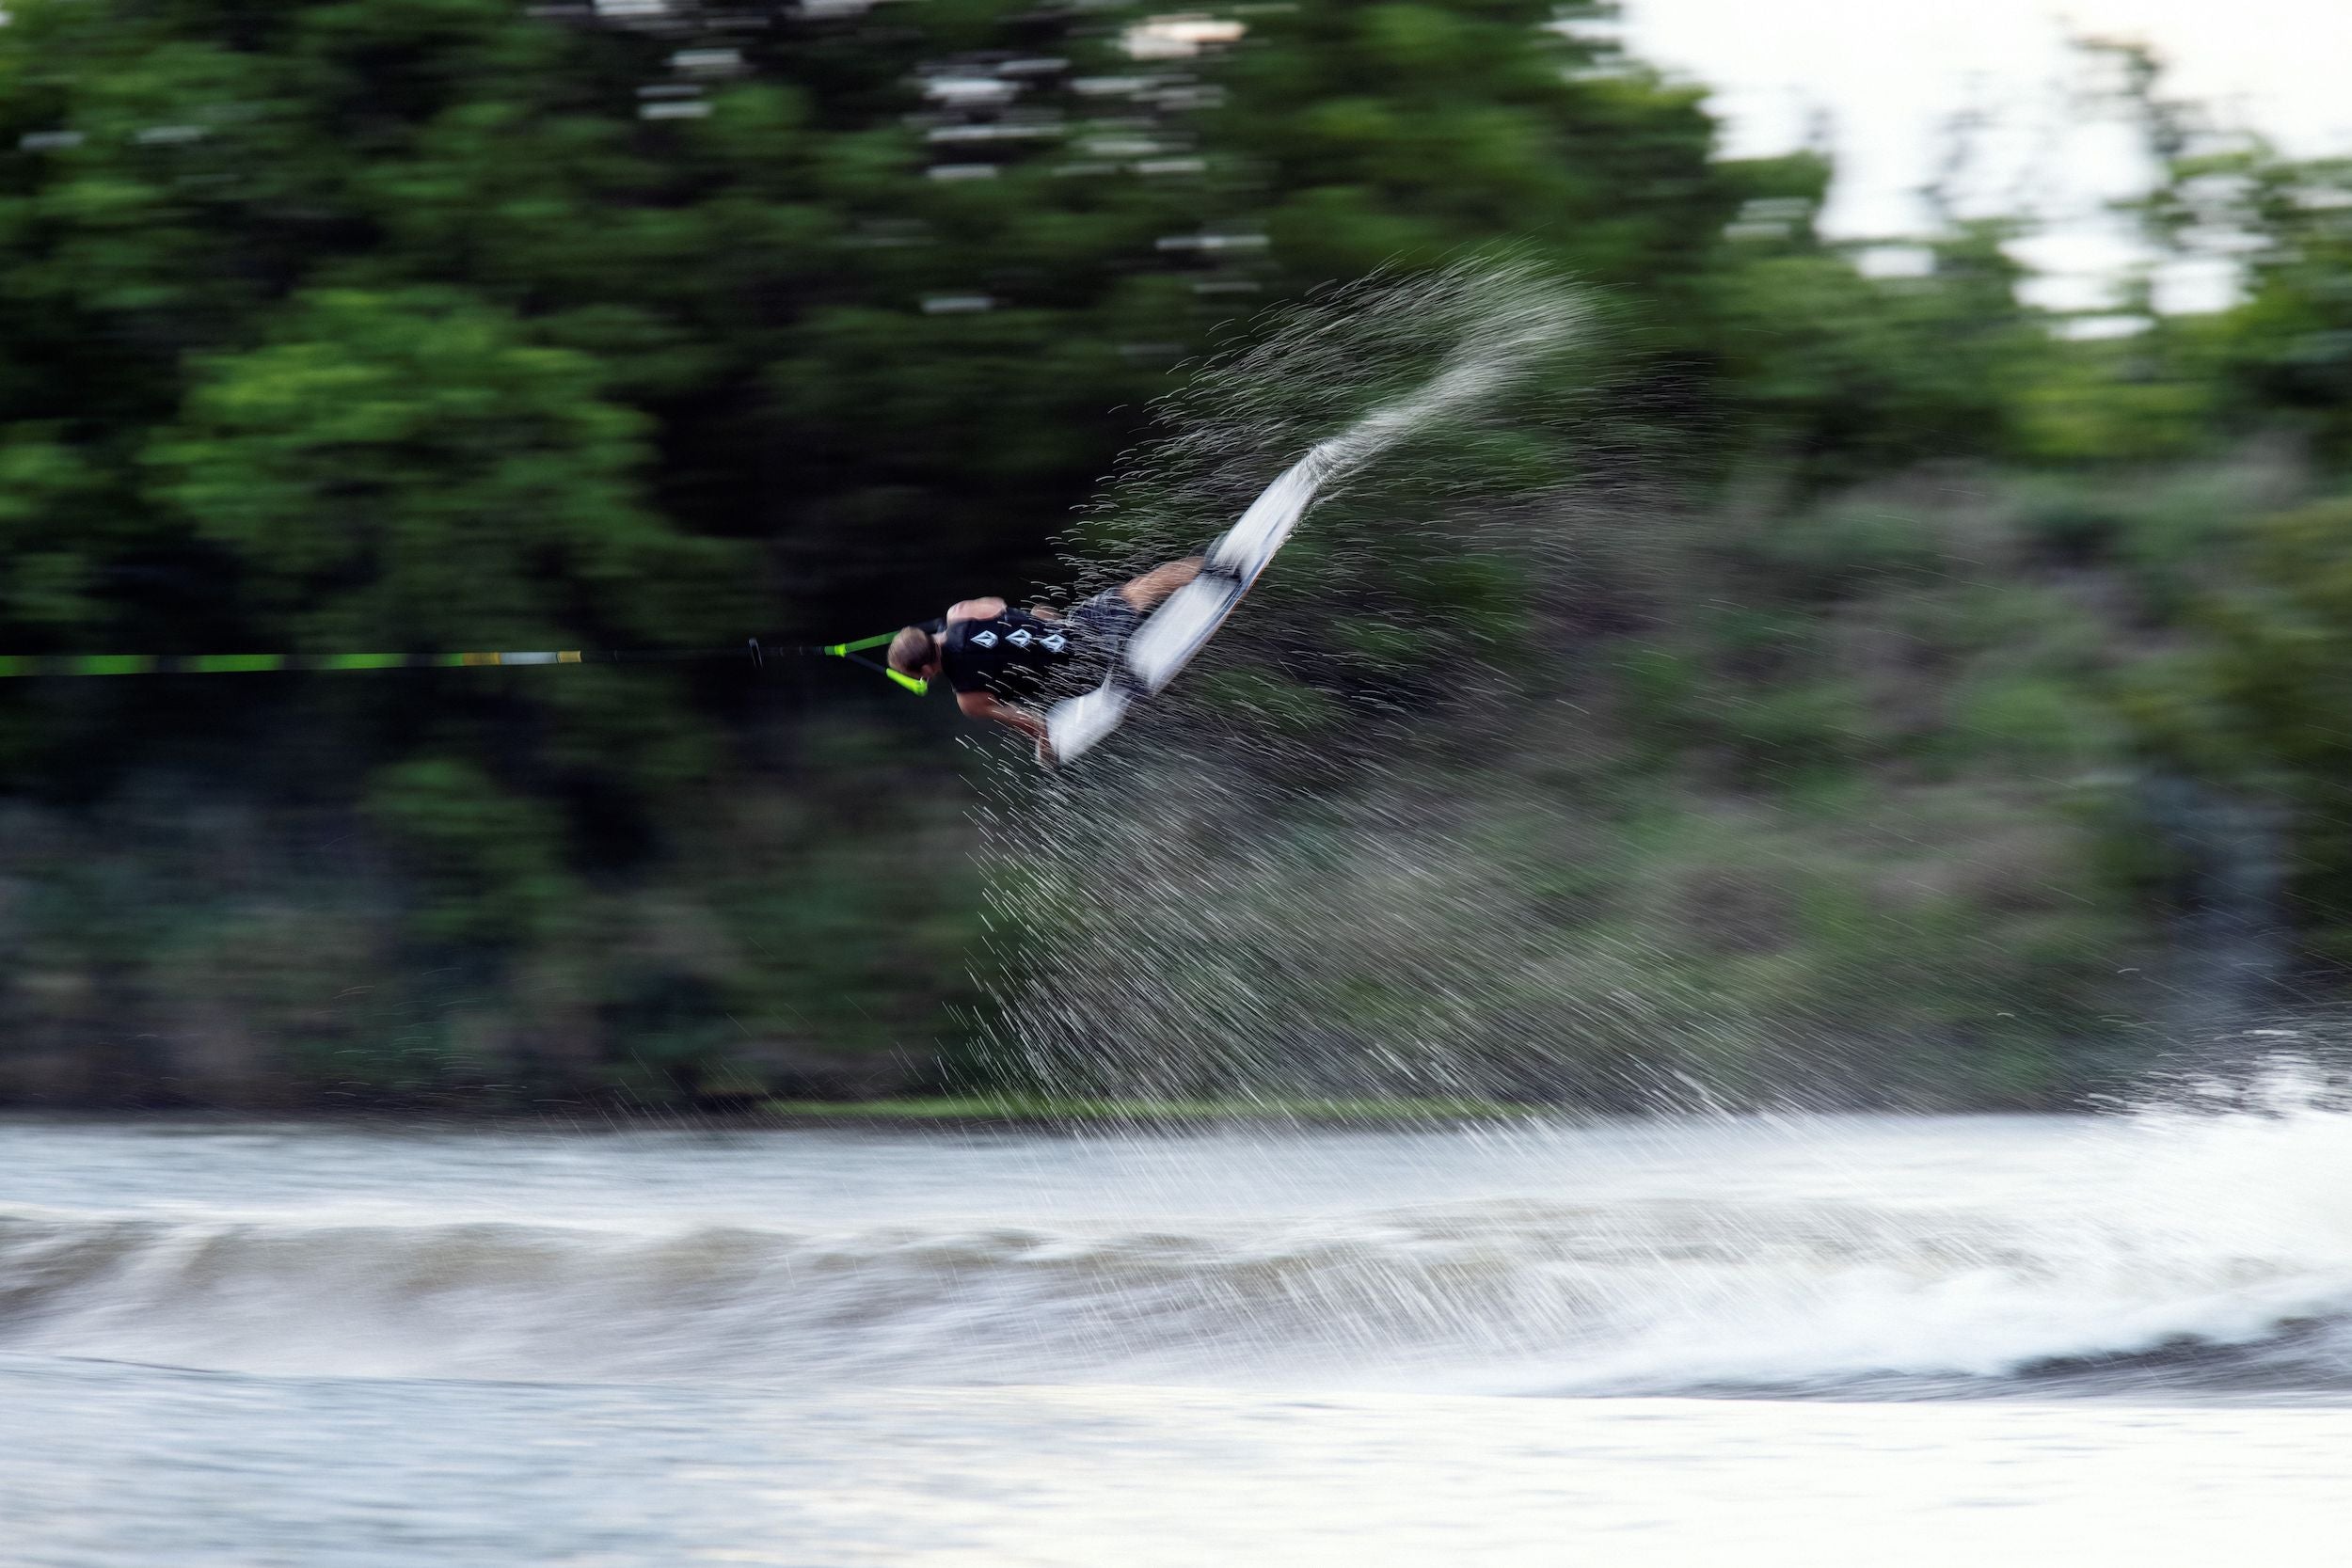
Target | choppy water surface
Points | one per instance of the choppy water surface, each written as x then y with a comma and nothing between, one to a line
1795,1339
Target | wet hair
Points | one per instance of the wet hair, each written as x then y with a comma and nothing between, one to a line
912,649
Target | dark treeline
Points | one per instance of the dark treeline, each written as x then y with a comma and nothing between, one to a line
434,324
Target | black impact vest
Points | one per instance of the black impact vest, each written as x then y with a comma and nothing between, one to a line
1012,656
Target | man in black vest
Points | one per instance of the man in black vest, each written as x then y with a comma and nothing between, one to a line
1000,658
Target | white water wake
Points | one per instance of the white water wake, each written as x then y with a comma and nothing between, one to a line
2167,1250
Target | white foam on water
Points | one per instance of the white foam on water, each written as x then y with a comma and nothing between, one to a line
1153,1478
1810,1251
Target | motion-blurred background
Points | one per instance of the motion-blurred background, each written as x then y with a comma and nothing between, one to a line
1975,686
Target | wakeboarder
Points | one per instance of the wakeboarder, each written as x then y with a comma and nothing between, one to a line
999,660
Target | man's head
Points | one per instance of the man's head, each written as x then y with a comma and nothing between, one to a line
914,653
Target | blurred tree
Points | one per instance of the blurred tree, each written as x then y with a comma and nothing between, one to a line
1842,375
408,471
2227,199
400,323
1365,134
2266,709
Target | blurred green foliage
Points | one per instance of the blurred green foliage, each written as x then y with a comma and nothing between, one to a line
416,324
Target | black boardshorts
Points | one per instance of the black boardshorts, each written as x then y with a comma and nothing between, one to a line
1109,619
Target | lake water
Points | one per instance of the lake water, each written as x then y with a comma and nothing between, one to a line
1801,1340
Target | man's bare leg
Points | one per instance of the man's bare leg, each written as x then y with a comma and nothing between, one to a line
1146,592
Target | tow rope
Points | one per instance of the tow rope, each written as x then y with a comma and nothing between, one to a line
245,664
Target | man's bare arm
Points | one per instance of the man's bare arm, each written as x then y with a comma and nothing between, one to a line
982,705
976,609
985,705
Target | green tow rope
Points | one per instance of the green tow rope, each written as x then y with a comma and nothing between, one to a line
241,664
